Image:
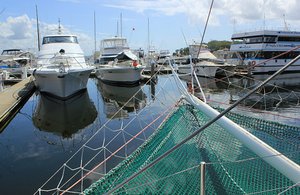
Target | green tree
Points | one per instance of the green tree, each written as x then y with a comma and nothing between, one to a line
215,45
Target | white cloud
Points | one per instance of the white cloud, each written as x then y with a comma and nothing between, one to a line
16,28
242,12
20,32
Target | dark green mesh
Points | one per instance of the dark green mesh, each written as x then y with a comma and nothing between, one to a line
231,167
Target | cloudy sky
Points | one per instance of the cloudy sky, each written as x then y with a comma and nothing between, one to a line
172,23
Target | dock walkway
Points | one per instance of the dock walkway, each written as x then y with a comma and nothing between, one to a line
12,99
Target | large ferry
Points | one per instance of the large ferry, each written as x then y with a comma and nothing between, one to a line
254,48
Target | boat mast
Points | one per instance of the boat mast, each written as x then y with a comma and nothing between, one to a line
148,38
121,25
264,15
212,2
117,28
38,28
95,38
285,24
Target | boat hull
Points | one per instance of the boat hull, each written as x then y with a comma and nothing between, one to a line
208,71
62,85
122,75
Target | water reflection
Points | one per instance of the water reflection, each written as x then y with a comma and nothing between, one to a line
269,97
208,83
131,98
64,117
283,80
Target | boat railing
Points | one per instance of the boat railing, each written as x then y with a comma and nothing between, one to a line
192,74
62,61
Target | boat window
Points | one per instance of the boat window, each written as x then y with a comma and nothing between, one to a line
60,39
249,54
289,39
269,39
237,41
253,40
271,54
106,60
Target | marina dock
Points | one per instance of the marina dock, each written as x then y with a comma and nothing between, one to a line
13,98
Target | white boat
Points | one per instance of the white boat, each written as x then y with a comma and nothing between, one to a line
206,64
61,68
162,57
117,63
15,57
252,49
15,61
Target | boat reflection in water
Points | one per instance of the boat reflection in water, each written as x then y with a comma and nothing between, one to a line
129,98
64,117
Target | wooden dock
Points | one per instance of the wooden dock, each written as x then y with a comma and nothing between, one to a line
13,98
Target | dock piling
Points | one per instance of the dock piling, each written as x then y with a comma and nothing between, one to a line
202,178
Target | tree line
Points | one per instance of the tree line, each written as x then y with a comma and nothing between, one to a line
213,45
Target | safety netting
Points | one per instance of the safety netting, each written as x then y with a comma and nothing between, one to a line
231,168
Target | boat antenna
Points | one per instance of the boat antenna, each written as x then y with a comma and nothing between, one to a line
38,28
234,25
121,24
264,15
1,12
117,28
184,37
148,37
285,24
212,2
59,27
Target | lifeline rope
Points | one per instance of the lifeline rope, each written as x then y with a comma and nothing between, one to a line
118,150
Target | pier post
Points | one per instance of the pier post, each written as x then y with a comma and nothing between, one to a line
1,82
152,63
24,72
202,178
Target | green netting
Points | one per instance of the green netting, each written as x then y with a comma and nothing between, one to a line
231,167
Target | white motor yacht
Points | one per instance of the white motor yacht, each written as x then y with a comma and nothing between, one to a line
61,68
117,63
206,64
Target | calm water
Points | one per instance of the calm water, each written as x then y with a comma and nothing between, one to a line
46,132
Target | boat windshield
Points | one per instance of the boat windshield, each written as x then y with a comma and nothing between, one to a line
60,39
11,52
114,43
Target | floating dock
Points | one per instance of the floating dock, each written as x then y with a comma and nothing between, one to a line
13,98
